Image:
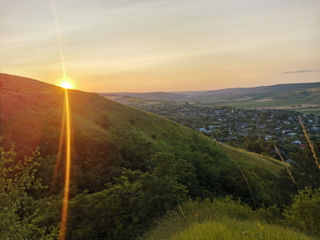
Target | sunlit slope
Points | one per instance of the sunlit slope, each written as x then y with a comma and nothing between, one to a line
26,106
108,136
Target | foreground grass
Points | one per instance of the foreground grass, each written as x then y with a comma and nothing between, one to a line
237,230
222,219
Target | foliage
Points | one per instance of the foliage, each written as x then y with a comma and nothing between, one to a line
305,171
125,208
304,213
19,210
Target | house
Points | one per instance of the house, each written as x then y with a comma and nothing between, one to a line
203,130
267,138
292,134
303,146
296,142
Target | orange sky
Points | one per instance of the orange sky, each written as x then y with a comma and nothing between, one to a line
162,45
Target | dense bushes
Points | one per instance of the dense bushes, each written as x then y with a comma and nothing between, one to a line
125,208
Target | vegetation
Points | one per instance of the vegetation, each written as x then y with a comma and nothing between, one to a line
237,230
21,213
229,219
304,213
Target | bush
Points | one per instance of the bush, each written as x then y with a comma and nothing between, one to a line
20,212
304,213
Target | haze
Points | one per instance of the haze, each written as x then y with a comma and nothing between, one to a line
163,45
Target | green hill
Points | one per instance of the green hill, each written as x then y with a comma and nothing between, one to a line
124,156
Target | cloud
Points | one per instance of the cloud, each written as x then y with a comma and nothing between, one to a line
301,71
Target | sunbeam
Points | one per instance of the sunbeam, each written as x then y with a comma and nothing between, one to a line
66,85
59,39
64,215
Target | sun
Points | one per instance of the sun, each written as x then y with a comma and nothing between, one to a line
66,85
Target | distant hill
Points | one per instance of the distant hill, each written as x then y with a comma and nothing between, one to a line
300,96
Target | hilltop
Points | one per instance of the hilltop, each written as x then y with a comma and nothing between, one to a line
116,146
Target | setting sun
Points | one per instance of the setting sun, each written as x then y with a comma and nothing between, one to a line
66,85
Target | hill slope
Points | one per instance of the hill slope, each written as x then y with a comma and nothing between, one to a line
112,133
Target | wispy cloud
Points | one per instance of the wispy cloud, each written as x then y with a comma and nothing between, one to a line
301,71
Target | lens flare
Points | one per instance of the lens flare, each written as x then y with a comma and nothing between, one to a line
66,84
68,168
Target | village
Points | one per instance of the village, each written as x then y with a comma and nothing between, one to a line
231,125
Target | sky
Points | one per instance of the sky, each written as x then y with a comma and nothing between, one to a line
161,45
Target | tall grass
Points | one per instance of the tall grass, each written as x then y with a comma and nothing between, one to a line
193,212
230,229
220,219
286,165
314,154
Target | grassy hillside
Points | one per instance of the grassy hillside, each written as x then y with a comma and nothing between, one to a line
132,165
31,114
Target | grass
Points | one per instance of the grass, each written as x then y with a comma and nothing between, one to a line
237,230
220,219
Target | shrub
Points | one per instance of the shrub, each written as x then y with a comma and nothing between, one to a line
304,213
20,211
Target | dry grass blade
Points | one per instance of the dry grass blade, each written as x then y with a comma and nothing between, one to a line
310,143
249,188
288,169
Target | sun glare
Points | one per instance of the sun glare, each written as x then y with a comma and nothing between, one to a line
66,85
